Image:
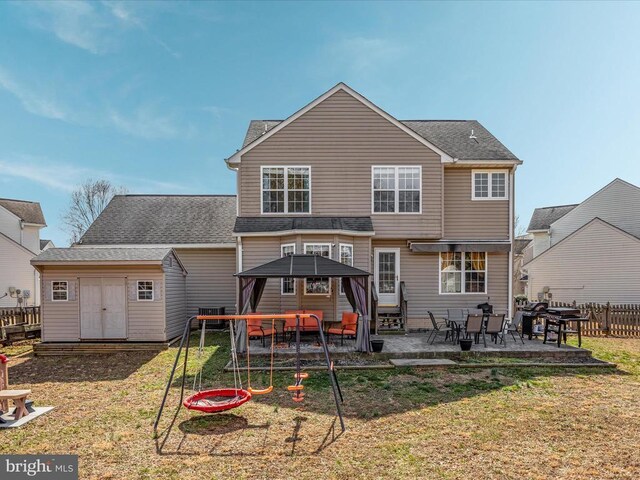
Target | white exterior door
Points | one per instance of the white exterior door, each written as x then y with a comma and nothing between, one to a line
102,308
387,275
113,308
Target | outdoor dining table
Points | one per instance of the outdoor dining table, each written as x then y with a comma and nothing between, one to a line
560,318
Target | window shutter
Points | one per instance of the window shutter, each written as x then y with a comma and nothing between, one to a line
132,289
72,286
47,290
157,289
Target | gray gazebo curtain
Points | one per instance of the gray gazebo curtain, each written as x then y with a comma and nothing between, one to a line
251,290
355,288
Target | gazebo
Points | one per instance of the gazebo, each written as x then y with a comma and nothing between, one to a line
354,281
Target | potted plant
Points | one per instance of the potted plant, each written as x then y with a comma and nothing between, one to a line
376,345
465,344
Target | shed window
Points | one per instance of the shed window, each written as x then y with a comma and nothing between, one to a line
145,290
59,291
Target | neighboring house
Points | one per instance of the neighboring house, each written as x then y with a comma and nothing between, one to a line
20,224
426,206
589,252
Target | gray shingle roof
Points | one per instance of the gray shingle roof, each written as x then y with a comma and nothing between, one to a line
28,212
43,243
519,244
451,136
164,220
104,254
280,224
543,217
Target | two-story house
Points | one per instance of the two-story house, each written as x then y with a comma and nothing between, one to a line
20,224
425,206
587,252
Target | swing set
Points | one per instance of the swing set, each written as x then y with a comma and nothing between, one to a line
215,400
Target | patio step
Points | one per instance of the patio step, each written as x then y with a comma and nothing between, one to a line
422,362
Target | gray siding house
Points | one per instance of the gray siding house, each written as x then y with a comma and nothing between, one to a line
426,206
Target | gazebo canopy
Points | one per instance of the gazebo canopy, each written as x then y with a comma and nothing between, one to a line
303,266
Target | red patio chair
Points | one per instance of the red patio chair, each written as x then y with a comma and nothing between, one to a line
256,330
348,326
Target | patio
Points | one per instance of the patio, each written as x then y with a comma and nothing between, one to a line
416,345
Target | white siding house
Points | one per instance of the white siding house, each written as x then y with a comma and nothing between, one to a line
20,224
588,252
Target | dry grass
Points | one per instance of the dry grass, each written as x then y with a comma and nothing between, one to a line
486,423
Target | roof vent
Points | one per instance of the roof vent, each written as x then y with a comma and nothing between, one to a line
473,136
265,129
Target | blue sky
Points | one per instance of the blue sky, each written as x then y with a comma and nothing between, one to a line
153,96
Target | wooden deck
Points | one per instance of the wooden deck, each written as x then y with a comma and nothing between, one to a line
417,346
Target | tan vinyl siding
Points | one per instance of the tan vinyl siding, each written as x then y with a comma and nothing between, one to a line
257,251
597,264
175,297
617,204
420,272
61,320
210,281
341,139
465,218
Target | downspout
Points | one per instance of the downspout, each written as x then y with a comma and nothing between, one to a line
239,262
511,211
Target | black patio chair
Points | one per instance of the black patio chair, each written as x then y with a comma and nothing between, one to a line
515,328
495,327
439,328
475,327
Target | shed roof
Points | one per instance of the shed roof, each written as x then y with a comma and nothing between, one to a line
102,255
164,220
28,212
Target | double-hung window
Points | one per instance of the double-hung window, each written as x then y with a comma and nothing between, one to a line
288,286
286,189
346,257
317,285
59,291
145,290
490,185
397,189
463,272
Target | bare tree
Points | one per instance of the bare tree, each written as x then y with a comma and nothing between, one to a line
518,228
87,202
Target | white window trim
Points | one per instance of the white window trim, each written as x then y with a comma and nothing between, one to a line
462,272
490,180
324,244
153,291
66,291
397,196
282,247
286,190
340,245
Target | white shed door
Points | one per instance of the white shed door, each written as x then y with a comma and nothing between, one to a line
102,308
113,308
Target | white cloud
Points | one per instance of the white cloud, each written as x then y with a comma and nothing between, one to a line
64,177
31,101
147,123
362,54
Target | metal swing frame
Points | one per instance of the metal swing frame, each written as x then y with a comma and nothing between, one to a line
184,345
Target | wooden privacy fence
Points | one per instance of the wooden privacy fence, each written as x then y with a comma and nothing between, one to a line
607,319
17,316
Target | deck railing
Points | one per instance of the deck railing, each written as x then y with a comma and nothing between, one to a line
18,316
606,319
404,301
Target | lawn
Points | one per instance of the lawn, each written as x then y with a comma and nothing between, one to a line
414,423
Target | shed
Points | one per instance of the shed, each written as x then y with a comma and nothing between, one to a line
111,294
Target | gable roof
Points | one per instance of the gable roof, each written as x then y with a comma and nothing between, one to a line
28,212
44,243
451,139
354,225
519,244
164,220
579,230
543,217
97,256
